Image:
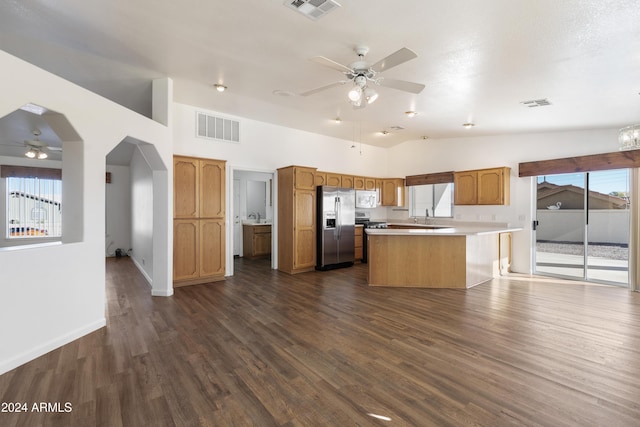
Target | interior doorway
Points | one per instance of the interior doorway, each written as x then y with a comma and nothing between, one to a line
253,212
582,226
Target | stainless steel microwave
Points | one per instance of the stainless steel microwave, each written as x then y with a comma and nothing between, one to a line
366,199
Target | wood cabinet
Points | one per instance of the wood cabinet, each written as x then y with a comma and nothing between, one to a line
346,181
199,220
334,179
358,182
482,187
369,184
465,185
359,234
392,192
296,220
320,178
256,240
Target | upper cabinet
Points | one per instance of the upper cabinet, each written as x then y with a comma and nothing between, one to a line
482,187
304,179
198,188
346,181
334,179
186,179
391,191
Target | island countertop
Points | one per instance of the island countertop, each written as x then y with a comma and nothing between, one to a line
409,229
434,256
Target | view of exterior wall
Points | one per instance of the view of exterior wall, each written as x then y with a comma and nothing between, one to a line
605,225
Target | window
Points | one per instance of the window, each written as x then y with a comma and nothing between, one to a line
33,207
437,198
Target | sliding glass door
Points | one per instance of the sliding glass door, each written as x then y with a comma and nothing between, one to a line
582,227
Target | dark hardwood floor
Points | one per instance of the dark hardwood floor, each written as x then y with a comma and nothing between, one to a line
265,348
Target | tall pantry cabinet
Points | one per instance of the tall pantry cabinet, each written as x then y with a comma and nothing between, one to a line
296,219
198,220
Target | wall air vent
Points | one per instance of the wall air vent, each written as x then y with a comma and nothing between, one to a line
208,126
536,103
312,9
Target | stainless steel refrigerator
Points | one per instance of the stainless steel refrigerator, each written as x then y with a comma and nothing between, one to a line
336,227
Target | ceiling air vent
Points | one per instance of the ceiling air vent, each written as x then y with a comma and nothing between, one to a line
208,126
312,9
536,103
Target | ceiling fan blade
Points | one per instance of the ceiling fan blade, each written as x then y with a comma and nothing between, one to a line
399,57
331,64
50,148
321,88
401,85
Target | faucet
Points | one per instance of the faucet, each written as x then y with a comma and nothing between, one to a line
251,215
426,215
258,216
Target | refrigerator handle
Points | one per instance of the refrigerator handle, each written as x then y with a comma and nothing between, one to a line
338,217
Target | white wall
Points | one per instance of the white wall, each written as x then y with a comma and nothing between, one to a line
64,298
118,210
458,154
266,147
142,214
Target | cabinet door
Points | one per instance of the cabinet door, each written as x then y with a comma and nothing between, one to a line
212,194
212,248
465,185
186,187
321,178
304,178
186,240
346,181
393,192
369,184
304,230
358,182
334,179
261,244
491,186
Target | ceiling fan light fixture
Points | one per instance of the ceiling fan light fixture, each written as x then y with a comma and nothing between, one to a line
370,95
31,153
42,155
355,94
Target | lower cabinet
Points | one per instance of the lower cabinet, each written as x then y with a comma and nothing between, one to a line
256,241
359,233
198,251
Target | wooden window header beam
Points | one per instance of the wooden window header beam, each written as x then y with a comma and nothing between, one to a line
10,171
596,162
429,178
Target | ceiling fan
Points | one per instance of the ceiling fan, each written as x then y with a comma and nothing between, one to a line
363,74
37,149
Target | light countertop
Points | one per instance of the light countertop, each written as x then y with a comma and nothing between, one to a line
441,230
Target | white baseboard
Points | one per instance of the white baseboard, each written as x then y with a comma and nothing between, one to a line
144,273
27,356
162,293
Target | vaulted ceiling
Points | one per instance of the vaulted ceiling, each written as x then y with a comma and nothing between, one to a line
479,60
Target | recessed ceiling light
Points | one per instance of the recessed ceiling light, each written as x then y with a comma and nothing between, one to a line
384,132
281,92
468,125
411,113
337,120
425,137
220,87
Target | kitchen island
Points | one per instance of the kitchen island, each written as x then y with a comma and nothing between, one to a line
459,256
